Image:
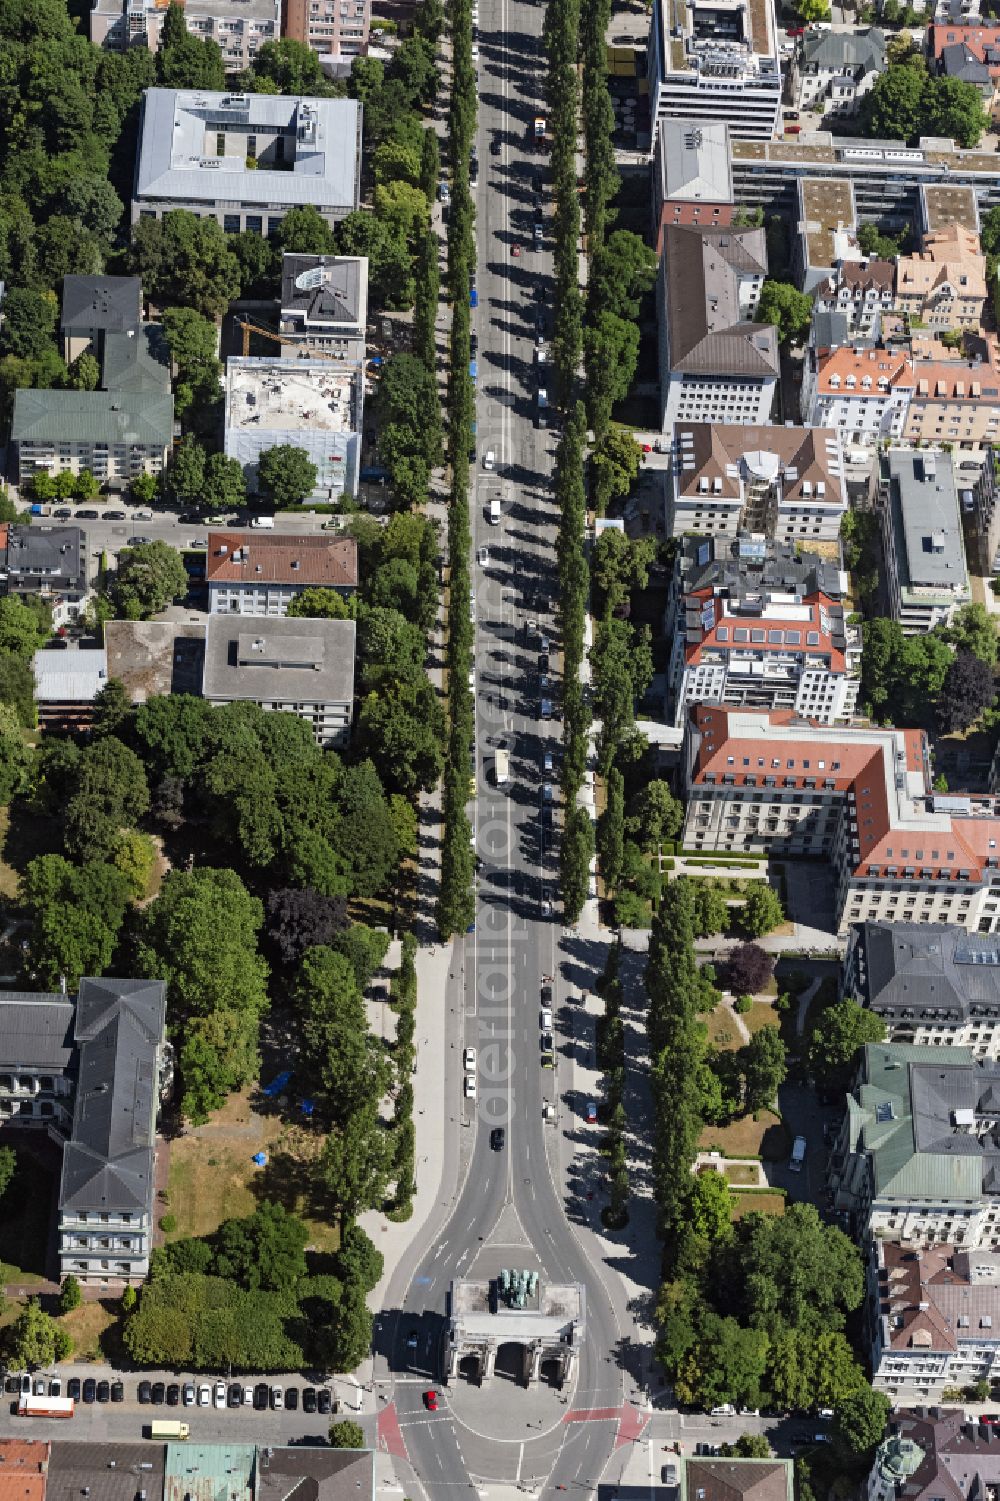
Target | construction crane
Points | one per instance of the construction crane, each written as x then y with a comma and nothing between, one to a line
276,338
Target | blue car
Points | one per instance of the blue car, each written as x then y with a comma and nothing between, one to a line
473,371
473,297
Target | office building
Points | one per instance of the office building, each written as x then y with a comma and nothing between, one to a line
312,404
692,174
784,482
769,783
708,63
324,305
196,148
90,1072
932,986
337,30
925,570
303,667
760,623
253,573
716,363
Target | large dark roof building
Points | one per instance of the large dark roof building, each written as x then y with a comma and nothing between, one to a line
935,1454
91,1073
49,562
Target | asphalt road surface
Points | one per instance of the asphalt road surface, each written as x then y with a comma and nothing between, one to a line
501,1208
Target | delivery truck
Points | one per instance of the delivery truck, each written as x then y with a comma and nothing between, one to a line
167,1428
502,767
30,1406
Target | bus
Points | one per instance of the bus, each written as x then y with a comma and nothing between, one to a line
45,1407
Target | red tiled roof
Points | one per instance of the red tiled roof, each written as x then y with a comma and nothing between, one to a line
23,1467
251,558
817,603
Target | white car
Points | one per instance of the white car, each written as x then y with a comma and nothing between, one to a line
248,1396
545,1020
277,1398
548,761
547,792
469,1060
727,1410
444,192
220,1394
475,51
470,1086
489,459
483,557
472,680
204,1396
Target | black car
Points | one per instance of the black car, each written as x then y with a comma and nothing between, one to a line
540,292
473,345
497,1138
89,1389
235,1398
546,996
536,182
308,1399
115,516
145,1391
173,1394
260,1395
87,515
292,1398
117,1391
495,147
73,1388
159,1395
104,1391
323,1400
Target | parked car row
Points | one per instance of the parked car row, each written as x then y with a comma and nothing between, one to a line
90,1390
217,1394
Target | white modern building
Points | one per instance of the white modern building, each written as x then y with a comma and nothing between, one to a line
240,27
710,62
246,159
312,404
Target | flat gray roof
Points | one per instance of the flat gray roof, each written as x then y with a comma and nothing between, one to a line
265,658
694,161
926,523
153,657
178,125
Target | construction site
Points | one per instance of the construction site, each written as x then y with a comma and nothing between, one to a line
312,404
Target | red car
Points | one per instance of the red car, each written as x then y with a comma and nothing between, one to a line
647,448
515,249
796,31
431,1401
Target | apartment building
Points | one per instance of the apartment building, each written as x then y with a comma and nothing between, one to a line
692,174
90,1072
708,62
735,1479
716,364
312,404
324,305
761,782
833,70
862,394
784,482
240,27
116,435
303,667
925,570
864,290
954,402
933,1318
337,30
826,225
944,285
979,491
918,1156
971,53
254,573
932,986
246,159
95,306
45,562
753,622
932,1452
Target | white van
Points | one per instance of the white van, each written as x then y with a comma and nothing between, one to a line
798,1156
263,523
502,767
495,511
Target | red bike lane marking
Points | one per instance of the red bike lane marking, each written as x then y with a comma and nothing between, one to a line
630,1425
389,1435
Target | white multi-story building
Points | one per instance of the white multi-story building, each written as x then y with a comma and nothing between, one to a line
932,986
240,27
716,364
760,624
771,783
864,394
710,62
926,574
833,70
784,482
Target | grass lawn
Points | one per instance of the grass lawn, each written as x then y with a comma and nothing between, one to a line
760,1015
764,1137
213,1178
86,1325
757,1203
741,1173
722,1031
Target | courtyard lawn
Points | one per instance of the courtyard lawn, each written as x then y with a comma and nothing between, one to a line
757,1203
87,1325
722,1030
764,1136
741,1173
213,1177
760,1015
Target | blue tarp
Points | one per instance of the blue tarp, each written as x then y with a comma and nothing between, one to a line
260,1158
278,1084
307,1107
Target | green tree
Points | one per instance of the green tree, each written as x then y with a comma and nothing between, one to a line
320,604
841,1031
358,1259
292,67
710,1207
761,911
615,463
84,373
224,488
8,1166
24,626
390,268
35,1339
787,308
402,728
70,1295
135,857
954,109
895,107
859,1422
286,475
354,1166
264,1250
347,1435
304,231
15,755
111,795
811,11
611,831
366,834
972,629
149,576
76,912
184,60
184,261
764,1068
655,815
711,911
193,341
750,1445
577,852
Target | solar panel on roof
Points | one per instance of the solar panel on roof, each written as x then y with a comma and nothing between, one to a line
751,549
704,552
